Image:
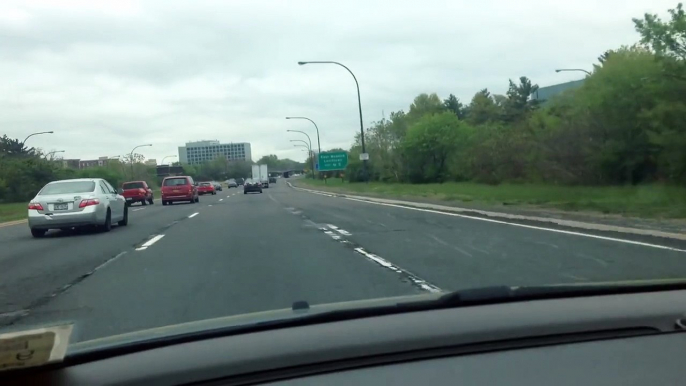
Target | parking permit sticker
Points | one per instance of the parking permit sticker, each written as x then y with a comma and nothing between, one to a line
34,347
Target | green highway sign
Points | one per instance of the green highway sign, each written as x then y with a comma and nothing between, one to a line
332,161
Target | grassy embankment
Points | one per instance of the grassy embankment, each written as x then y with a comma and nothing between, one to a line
650,201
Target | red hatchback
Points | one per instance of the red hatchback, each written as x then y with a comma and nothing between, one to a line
206,188
179,188
137,191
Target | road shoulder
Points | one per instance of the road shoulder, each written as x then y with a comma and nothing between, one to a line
671,229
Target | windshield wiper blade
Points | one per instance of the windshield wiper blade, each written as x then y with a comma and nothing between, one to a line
504,294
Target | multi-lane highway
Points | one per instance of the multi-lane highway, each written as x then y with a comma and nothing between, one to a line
234,253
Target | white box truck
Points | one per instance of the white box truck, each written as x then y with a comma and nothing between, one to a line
264,175
256,173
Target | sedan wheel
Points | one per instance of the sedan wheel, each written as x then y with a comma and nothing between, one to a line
107,226
38,232
125,221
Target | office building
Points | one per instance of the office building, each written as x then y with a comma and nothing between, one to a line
202,151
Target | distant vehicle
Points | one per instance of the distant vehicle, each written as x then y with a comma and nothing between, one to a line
206,188
179,188
272,180
251,185
217,186
240,181
75,203
231,183
137,191
264,176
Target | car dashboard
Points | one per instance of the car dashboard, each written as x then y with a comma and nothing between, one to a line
621,339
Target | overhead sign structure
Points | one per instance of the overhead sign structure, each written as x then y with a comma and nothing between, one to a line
332,161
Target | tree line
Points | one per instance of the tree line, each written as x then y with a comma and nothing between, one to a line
624,125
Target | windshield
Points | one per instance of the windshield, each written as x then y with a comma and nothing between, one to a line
373,150
133,185
175,182
68,187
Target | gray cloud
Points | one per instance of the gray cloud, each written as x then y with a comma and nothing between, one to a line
108,75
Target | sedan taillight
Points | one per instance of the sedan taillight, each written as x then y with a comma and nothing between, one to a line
35,206
89,202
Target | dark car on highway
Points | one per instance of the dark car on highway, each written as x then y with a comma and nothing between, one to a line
251,185
137,191
240,181
272,180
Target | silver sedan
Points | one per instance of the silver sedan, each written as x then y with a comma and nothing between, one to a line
75,203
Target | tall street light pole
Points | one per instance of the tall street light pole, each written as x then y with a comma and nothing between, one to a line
319,145
53,153
131,155
573,69
310,144
359,105
31,135
310,152
165,157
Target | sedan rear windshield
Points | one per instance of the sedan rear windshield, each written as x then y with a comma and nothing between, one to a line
68,187
133,185
205,184
175,182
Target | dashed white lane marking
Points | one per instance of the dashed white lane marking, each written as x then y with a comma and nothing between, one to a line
525,226
339,230
149,243
137,209
193,215
209,205
221,199
423,284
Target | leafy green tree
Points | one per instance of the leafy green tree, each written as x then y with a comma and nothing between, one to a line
14,147
429,144
452,103
425,104
519,102
483,108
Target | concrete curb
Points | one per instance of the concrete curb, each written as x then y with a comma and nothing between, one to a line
507,216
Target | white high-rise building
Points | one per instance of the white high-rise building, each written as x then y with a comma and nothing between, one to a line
202,151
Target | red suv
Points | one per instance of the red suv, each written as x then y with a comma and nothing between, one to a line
179,188
137,191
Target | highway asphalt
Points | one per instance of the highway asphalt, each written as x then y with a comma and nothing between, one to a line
234,253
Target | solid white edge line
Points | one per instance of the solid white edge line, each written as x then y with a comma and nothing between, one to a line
137,209
524,226
193,215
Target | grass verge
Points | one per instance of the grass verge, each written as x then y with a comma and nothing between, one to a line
649,201
13,211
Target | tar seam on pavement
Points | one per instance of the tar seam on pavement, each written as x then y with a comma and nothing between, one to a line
405,275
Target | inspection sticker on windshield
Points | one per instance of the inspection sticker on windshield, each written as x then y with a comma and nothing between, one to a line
33,347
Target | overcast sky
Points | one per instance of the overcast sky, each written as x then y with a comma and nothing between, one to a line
109,75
